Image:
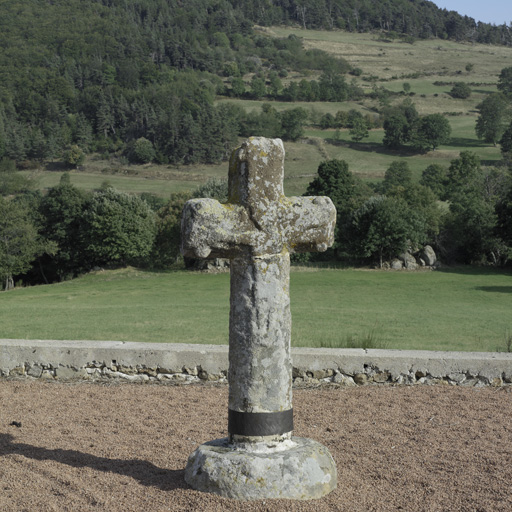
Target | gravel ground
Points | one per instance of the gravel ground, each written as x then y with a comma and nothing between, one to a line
124,447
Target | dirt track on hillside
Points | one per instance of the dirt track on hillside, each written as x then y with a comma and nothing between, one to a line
124,447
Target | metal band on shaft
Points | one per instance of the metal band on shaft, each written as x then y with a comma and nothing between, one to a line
260,423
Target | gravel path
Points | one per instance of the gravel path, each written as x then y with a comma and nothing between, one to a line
123,447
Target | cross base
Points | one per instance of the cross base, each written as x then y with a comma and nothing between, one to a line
298,469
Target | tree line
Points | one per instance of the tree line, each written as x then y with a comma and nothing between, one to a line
414,18
464,211
68,231
139,78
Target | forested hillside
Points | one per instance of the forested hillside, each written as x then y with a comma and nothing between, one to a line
97,76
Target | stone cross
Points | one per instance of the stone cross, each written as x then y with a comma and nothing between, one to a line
257,229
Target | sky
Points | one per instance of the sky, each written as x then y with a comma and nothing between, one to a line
488,11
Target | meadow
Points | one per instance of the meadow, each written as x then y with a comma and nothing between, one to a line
465,309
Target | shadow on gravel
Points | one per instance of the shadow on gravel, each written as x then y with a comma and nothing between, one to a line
144,472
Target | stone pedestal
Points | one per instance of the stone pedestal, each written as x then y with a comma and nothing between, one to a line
298,468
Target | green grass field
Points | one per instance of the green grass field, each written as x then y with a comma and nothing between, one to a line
454,309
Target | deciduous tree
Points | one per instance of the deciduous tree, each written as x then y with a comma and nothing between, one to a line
397,175
61,210
20,243
396,130
143,151
383,227
472,229
464,175
433,130
346,191
74,156
117,228
435,177
506,141
494,115
359,130
166,249
460,90
293,121
505,81
237,87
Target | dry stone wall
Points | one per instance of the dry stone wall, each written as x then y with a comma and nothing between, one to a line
188,364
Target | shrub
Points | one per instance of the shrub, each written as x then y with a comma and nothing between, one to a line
460,90
143,151
74,156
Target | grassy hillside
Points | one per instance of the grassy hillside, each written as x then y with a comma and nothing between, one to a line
454,309
432,58
383,64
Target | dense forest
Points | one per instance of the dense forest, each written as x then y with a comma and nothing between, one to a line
98,76
138,79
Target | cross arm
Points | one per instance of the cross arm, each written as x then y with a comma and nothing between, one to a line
308,224
210,229
215,230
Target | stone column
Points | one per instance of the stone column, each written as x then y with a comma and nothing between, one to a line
260,368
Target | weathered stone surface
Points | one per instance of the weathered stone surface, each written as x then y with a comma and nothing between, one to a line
172,358
408,260
457,377
260,327
381,377
396,264
360,378
343,380
18,370
66,373
428,255
128,370
137,377
257,216
35,371
209,265
151,372
298,373
496,382
321,374
301,469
